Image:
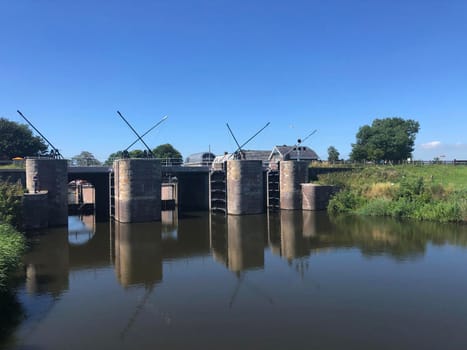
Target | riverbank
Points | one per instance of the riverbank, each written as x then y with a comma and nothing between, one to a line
434,192
12,246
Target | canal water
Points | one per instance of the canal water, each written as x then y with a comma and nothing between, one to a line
288,280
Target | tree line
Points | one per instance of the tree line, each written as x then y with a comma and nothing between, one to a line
385,140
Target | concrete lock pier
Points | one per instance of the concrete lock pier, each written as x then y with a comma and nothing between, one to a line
137,190
35,210
51,175
245,190
291,175
316,197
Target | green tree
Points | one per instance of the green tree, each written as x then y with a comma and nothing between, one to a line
85,158
333,154
136,153
113,156
164,151
167,151
17,140
389,139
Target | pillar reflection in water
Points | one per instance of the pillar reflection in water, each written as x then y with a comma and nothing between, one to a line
238,241
309,223
245,242
293,243
47,265
218,237
274,232
138,257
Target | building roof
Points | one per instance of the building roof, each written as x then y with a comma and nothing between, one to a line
248,155
292,152
200,157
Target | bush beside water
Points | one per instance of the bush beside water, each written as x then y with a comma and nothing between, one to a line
400,192
12,242
12,245
10,202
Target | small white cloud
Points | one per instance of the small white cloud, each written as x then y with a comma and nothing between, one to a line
431,145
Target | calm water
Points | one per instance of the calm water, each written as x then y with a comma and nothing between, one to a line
282,281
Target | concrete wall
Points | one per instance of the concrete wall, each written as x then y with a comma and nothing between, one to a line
52,176
35,210
137,190
315,171
193,191
316,197
291,175
245,188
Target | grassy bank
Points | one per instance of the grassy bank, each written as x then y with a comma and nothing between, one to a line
12,245
428,192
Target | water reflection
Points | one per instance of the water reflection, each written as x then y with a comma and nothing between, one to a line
138,257
48,263
293,243
169,221
175,277
81,228
11,315
238,241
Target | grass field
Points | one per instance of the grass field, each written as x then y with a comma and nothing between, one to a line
424,192
445,175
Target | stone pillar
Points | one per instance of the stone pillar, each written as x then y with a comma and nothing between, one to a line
316,197
35,210
50,175
245,192
292,174
137,190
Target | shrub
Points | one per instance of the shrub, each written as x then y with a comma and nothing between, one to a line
344,202
10,202
377,207
401,192
12,244
386,190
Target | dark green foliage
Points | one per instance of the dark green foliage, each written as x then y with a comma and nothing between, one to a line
166,151
344,202
162,152
17,140
85,158
136,153
12,245
389,139
10,202
333,154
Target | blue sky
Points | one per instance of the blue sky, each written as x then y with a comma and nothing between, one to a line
302,65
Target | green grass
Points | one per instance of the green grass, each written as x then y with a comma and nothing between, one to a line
445,175
14,165
12,245
425,192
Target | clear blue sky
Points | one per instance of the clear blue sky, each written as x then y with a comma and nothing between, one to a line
302,65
